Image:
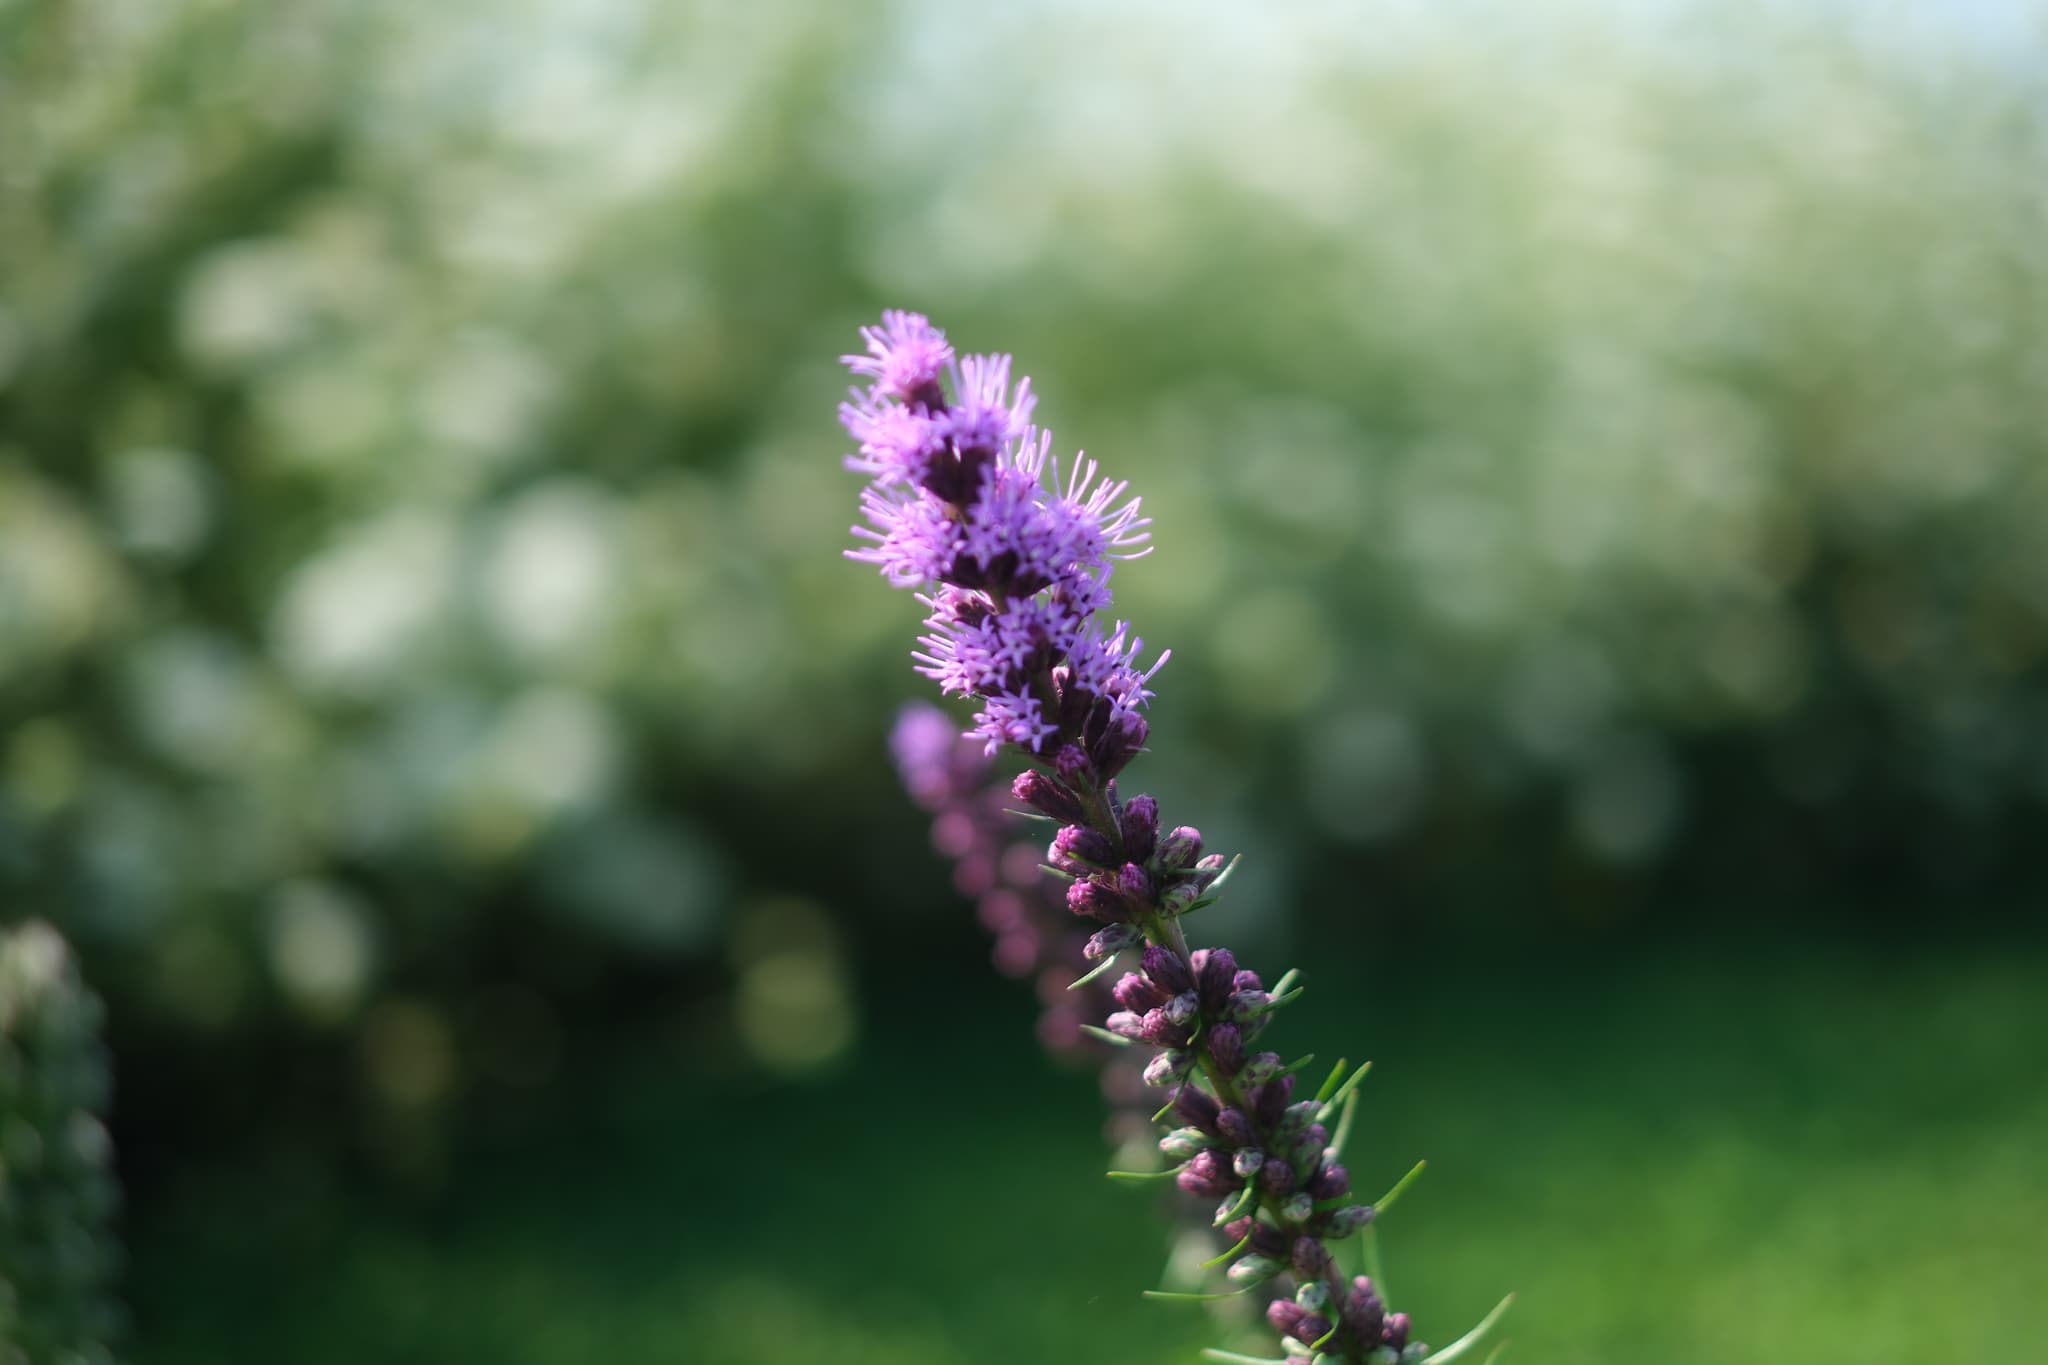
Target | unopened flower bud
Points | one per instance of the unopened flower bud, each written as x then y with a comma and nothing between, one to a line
1109,942
1140,828
1183,1007
1397,1329
1286,1317
1136,885
1247,1162
1169,1067
1097,901
1077,848
1314,1296
1072,764
1180,846
1244,1007
1254,1270
1126,1024
1183,1143
1177,898
1347,1220
1135,991
1043,794
1206,1176
1167,968
1310,1257
1120,742
1259,1069
1298,1207
1236,1128
1226,1045
1331,1181
1276,1178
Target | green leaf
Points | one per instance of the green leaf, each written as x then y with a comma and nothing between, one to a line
1493,1356
1102,967
1176,1296
1386,1201
1165,1109
1221,877
1059,872
1281,1000
1113,1039
1242,1243
1329,1085
1141,1177
1281,986
1248,1199
1344,1122
1344,1091
1471,1338
1293,1067
1324,1339
1030,815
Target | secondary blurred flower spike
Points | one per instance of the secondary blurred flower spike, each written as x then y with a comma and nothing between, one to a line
57,1190
1011,552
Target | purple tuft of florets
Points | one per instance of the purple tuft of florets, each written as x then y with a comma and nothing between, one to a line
1010,553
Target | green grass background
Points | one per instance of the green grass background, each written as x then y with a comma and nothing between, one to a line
1687,1156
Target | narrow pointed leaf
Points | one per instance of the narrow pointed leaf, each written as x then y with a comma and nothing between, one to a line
1176,1296
1100,968
1246,1200
1298,1065
1344,1122
1113,1039
1164,1110
1059,872
1215,1261
1493,1356
1344,1091
1329,1085
1286,982
1471,1338
1386,1201
1141,1177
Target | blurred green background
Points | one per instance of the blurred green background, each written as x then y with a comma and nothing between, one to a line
1600,472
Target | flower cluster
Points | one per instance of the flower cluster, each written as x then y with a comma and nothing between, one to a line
1012,560
1016,571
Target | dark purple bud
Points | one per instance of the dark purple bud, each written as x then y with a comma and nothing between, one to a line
1097,901
1183,1008
1236,1128
1397,1330
1254,1270
1206,1176
1213,978
1136,992
1285,1315
1310,1258
1276,1178
1271,1102
1226,1045
1246,981
1115,939
1042,794
1162,1031
1183,1143
1346,1221
1247,1162
1330,1182
1140,824
1307,1150
1166,967
1181,846
1126,1024
1136,885
1169,1068
1298,1207
1177,898
1296,1120
1077,848
1198,1109
1072,764
1121,741
1259,1069
1243,1007
1363,1313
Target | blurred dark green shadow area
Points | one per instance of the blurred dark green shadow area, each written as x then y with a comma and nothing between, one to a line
1598,461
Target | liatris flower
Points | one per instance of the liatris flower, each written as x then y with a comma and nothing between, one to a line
1014,566
57,1189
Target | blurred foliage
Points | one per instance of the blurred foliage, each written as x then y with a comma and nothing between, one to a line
1612,441
58,1257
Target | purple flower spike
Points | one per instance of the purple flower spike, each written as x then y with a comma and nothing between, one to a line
1010,551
